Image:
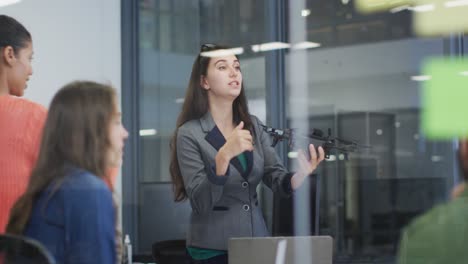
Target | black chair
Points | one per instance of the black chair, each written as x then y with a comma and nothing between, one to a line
170,252
20,250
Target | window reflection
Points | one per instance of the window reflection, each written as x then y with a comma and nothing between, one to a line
360,83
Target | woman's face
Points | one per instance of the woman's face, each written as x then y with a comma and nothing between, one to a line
117,136
223,78
20,69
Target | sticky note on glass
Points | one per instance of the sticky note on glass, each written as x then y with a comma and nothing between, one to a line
445,98
440,17
370,6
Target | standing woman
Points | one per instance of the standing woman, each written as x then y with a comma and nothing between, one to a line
21,121
68,205
220,154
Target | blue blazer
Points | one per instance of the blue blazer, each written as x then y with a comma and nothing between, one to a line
77,223
226,206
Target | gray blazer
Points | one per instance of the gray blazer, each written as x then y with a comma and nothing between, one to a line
226,206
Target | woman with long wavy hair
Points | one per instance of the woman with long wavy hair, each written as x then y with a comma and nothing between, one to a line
68,204
220,154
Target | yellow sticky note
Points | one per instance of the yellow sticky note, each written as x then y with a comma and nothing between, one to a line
369,6
440,17
445,98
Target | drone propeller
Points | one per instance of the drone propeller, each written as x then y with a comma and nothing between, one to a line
329,142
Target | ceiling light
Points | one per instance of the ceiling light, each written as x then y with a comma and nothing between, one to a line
222,52
421,78
306,45
8,2
456,3
464,73
147,132
422,8
399,9
305,12
292,155
270,46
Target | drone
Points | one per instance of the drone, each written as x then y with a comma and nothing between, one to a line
329,144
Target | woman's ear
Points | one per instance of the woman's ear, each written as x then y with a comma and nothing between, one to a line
8,55
204,83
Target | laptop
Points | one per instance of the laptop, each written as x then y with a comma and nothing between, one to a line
281,250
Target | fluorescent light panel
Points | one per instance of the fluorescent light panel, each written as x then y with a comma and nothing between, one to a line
270,46
306,45
8,2
456,3
305,12
421,78
399,9
147,132
422,8
222,52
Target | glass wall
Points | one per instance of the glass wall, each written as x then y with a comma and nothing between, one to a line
355,76
171,33
363,83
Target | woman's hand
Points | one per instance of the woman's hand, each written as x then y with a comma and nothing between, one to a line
237,142
306,167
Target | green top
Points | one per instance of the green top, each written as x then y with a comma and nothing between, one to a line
201,253
439,236
243,161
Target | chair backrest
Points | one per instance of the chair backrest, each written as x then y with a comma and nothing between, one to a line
21,250
170,252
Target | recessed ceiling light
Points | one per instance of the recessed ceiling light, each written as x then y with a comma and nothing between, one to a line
305,12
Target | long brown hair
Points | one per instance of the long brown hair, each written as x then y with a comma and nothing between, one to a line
196,106
76,134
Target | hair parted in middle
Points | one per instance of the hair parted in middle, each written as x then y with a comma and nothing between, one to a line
195,106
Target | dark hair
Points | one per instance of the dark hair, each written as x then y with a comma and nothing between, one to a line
196,106
13,33
76,133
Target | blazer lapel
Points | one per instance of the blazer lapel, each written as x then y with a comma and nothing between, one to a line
217,140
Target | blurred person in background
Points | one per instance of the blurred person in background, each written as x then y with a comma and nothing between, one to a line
68,205
21,121
440,236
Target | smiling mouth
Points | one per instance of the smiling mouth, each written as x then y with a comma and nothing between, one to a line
234,83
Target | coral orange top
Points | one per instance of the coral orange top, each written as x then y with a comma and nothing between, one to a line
21,124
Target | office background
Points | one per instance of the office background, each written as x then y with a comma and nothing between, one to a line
358,82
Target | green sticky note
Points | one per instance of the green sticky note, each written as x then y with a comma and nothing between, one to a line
440,17
370,6
445,98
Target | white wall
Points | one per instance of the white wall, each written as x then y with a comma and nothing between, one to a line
72,39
